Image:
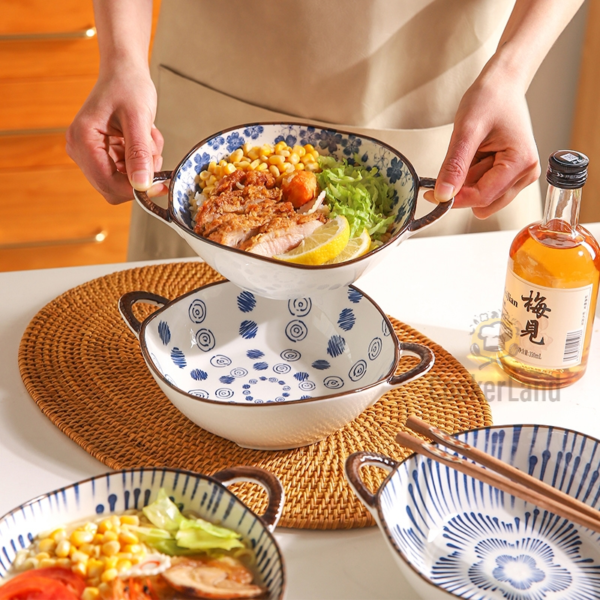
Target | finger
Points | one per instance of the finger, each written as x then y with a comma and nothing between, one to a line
508,169
139,144
452,175
504,200
89,148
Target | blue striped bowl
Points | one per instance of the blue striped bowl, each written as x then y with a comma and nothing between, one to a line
454,537
121,490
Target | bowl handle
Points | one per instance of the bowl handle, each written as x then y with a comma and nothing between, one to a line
353,465
147,204
267,480
127,301
418,351
437,213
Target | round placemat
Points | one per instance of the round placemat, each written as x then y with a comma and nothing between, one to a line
84,369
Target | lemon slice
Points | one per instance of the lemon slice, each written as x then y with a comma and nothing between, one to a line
324,244
354,248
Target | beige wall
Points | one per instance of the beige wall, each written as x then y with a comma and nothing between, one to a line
552,93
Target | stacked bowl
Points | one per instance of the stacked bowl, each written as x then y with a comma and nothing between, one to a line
283,354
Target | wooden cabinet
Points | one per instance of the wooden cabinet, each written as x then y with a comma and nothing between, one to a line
50,216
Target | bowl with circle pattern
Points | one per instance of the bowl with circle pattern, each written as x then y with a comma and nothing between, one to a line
455,537
271,374
118,491
267,276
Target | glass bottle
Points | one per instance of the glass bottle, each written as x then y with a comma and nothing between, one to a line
552,285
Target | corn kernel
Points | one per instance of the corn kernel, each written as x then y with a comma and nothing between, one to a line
133,549
79,537
276,159
253,154
47,545
254,164
79,569
229,169
279,146
98,538
63,548
47,562
126,537
87,549
299,150
208,190
242,165
124,565
58,535
267,149
222,162
90,593
109,575
294,158
95,567
42,555
106,524
313,166
31,563
307,158
274,170
299,167
246,148
91,527
309,147
110,562
65,563
104,588
20,559
204,175
236,155
211,181
110,548
315,154
288,168
79,557
284,153
262,167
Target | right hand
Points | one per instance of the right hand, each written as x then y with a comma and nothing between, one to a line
113,139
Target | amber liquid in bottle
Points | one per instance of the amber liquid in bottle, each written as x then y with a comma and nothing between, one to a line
555,253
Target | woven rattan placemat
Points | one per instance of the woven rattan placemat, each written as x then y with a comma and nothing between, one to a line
85,370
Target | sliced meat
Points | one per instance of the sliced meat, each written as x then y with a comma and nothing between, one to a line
212,579
282,234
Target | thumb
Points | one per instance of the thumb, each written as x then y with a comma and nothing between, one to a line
138,152
455,167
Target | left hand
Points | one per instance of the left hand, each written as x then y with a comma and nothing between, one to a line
492,154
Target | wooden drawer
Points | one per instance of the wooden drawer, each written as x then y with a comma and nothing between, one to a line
53,217
56,58
42,103
20,152
44,16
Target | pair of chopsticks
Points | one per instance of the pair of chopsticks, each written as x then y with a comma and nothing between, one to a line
497,473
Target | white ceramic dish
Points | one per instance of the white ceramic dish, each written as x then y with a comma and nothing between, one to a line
120,490
266,276
271,374
454,537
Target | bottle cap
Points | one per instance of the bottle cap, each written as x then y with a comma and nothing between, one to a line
567,169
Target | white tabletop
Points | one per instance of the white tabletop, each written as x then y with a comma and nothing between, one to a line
442,286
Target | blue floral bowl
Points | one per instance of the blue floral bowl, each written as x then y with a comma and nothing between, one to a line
269,277
271,374
455,537
117,491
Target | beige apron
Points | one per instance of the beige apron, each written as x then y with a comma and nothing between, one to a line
392,69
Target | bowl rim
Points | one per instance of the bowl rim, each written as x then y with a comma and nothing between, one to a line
265,405
382,523
133,470
174,220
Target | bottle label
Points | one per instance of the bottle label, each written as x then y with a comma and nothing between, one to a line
541,326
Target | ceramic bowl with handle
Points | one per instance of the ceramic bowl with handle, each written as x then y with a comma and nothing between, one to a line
115,492
266,276
454,537
271,374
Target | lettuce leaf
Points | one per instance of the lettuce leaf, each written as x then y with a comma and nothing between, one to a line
175,534
361,195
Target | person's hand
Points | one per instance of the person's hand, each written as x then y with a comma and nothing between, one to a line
492,154
113,138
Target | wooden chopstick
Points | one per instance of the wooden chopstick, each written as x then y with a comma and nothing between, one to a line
495,464
491,477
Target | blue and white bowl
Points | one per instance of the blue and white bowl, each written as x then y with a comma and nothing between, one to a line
454,537
118,491
271,374
272,278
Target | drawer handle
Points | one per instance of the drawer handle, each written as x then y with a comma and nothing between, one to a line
88,33
97,238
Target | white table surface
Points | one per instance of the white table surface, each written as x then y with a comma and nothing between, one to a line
442,286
